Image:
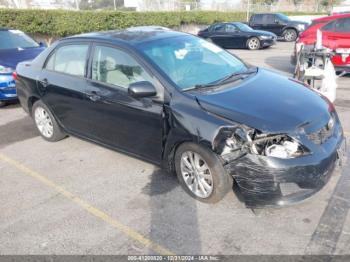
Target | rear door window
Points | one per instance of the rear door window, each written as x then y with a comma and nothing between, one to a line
219,28
69,59
231,28
268,19
257,19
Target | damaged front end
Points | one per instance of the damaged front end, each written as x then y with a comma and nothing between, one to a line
232,142
277,169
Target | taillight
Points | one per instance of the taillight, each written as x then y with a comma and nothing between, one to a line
14,75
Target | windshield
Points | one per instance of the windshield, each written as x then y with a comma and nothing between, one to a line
11,39
283,17
243,27
189,61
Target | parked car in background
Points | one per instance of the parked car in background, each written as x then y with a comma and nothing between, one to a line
335,35
186,104
278,24
337,10
15,47
237,35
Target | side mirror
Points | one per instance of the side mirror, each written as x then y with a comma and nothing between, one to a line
142,89
42,44
277,22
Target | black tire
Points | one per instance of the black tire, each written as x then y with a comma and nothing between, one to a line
253,43
57,133
3,103
290,35
222,181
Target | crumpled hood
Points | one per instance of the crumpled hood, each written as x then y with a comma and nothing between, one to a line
11,57
268,102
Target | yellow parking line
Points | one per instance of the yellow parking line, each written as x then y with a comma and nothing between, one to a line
131,233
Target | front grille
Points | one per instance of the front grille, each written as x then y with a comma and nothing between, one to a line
322,135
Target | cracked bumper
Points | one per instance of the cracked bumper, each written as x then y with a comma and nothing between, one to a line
266,181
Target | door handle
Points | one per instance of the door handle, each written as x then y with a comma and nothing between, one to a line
44,82
93,96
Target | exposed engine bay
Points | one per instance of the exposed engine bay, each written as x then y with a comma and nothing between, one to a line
233,143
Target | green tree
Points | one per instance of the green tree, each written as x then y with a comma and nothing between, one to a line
329,3
297,2
268,2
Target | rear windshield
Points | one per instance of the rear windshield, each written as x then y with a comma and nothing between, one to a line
243,27
11,39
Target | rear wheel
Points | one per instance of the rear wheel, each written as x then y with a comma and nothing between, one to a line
46,123
253,43
290,35
201,173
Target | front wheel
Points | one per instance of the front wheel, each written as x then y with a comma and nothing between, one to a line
253,43
290,35
201,173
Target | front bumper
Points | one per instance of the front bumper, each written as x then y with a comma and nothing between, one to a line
268,42
266,181
345,68
7,87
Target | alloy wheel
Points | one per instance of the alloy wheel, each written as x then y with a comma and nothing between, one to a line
290,35
196,174
43,122
254,44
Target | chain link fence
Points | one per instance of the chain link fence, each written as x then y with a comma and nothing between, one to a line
169,5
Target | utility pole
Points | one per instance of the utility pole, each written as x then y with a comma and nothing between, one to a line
248,7
76,4
115,5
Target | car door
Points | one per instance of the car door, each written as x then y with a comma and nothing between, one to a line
257,22
235,37
218,34
271,24
62,82
117,119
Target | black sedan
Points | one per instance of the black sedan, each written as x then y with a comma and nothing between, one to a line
237,35
189,106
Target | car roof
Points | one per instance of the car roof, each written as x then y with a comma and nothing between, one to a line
133,35
227,23
331,17
266,13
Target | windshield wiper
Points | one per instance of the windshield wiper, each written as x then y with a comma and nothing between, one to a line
249,71
229,78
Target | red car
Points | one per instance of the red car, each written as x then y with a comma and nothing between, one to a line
335,35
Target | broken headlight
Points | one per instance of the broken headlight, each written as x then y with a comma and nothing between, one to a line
280,146
252,141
